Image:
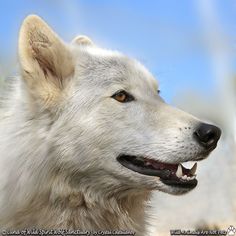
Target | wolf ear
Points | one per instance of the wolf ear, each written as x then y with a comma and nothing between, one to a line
46,62
82,40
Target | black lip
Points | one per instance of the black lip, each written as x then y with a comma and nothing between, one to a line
142,170
181,183
166,176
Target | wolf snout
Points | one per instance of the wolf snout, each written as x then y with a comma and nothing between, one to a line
207,135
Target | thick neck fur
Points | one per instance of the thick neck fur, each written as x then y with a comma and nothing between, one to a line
43,197
73,212
60,206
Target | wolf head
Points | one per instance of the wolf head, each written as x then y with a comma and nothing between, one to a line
109,128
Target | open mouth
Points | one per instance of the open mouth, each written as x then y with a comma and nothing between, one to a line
175,175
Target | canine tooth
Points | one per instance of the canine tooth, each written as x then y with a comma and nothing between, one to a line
184,177
188,178
179,171
193,169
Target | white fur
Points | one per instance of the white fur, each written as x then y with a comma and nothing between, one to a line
61,131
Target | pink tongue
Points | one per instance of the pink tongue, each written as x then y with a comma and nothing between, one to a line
159,165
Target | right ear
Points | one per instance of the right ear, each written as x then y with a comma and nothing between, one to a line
82,40
46,62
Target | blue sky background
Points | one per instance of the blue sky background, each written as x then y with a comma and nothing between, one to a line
171,37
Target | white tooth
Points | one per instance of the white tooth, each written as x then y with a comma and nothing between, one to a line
188,178
193,169
184,177
179,171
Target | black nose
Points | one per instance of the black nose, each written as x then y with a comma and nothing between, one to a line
207,135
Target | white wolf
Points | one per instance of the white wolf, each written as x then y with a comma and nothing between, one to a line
85,138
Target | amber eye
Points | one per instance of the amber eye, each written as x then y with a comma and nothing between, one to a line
122,96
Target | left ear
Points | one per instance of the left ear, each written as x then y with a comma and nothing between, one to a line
46,62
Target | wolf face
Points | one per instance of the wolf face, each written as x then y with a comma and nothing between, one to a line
109,129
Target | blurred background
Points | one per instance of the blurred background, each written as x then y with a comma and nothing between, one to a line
190,47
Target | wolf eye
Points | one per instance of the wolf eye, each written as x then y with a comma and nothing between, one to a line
158,91
122,96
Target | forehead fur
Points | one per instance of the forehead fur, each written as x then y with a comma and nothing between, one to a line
106,67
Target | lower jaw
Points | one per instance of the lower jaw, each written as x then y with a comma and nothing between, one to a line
164,176
182,185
